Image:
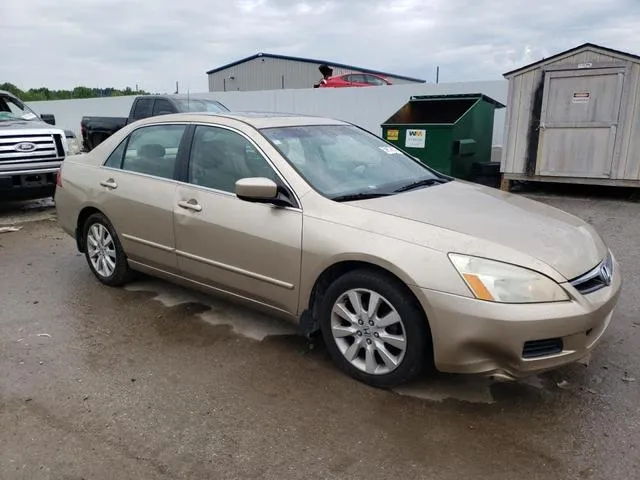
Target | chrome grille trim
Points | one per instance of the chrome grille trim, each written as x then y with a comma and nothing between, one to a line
596,278
45,148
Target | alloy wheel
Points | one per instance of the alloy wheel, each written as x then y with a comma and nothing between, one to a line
368,331
102,250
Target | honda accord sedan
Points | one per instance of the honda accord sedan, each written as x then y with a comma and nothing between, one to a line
402,270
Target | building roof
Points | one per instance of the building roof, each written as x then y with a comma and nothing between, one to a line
570,51
314,61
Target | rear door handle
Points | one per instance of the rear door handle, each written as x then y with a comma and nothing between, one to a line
111,183
190,205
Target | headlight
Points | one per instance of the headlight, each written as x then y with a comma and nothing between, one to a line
501,282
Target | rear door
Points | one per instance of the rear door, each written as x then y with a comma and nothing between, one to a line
249,249
579,122
137,189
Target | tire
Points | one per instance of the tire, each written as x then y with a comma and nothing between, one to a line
98,226
374,361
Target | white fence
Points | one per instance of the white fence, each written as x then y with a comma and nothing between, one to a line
366,107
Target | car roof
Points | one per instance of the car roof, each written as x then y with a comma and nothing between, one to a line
359,73
257,120
185,96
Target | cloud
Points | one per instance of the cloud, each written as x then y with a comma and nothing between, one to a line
153,44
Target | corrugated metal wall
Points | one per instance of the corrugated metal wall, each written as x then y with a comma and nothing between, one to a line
265,73
366,107
521,93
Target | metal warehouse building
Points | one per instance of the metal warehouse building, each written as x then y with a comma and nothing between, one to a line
266,71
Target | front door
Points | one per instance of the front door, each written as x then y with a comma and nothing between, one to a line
136,189
579,122
248,249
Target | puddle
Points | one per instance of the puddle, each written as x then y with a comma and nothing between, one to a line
249,324
464,388
243,322
168,295
457,387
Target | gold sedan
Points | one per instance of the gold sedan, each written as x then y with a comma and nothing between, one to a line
403,270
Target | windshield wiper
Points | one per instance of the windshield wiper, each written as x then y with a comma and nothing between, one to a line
425,182
359,196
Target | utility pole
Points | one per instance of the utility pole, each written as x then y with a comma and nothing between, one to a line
438,74
177,89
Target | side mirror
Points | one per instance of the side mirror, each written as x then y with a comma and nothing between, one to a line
261,190
48,118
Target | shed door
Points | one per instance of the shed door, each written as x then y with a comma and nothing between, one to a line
579,121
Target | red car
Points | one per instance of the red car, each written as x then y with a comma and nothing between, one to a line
353,80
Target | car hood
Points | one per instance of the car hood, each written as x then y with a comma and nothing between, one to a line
556,238
24,125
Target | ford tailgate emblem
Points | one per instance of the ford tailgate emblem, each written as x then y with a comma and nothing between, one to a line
25,147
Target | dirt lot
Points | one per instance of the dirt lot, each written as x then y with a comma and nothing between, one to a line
155,382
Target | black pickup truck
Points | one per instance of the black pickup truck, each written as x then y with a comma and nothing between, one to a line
96,129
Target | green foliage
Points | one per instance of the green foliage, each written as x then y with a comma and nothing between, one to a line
43,93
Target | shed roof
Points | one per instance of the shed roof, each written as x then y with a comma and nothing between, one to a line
315,61
584,46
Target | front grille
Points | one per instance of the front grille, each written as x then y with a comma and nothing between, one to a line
542,348
595,279
46,147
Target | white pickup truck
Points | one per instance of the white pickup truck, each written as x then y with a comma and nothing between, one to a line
31,150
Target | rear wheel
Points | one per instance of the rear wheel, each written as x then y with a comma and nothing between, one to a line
374,329
103,251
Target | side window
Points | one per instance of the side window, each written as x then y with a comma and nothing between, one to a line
153,150
356,78
142,108
221,157
373,80
115,159
163,107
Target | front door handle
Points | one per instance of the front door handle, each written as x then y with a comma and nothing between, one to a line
111,183
190,205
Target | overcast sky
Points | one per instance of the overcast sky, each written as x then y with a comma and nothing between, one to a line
154,43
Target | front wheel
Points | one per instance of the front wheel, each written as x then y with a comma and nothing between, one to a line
103,251
374,329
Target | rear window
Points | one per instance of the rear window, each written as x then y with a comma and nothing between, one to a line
142,108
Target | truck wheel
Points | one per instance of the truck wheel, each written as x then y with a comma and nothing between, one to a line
374,329
104,253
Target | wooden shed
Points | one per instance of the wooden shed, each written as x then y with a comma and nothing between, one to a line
574,118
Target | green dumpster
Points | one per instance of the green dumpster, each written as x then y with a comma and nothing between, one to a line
449,133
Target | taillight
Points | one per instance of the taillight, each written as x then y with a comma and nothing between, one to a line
59,179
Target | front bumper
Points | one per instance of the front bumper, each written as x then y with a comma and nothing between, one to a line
28,184
474,336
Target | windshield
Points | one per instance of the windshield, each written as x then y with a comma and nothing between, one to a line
201,105
13,109
343,160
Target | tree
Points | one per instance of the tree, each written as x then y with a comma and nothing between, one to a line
43,93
